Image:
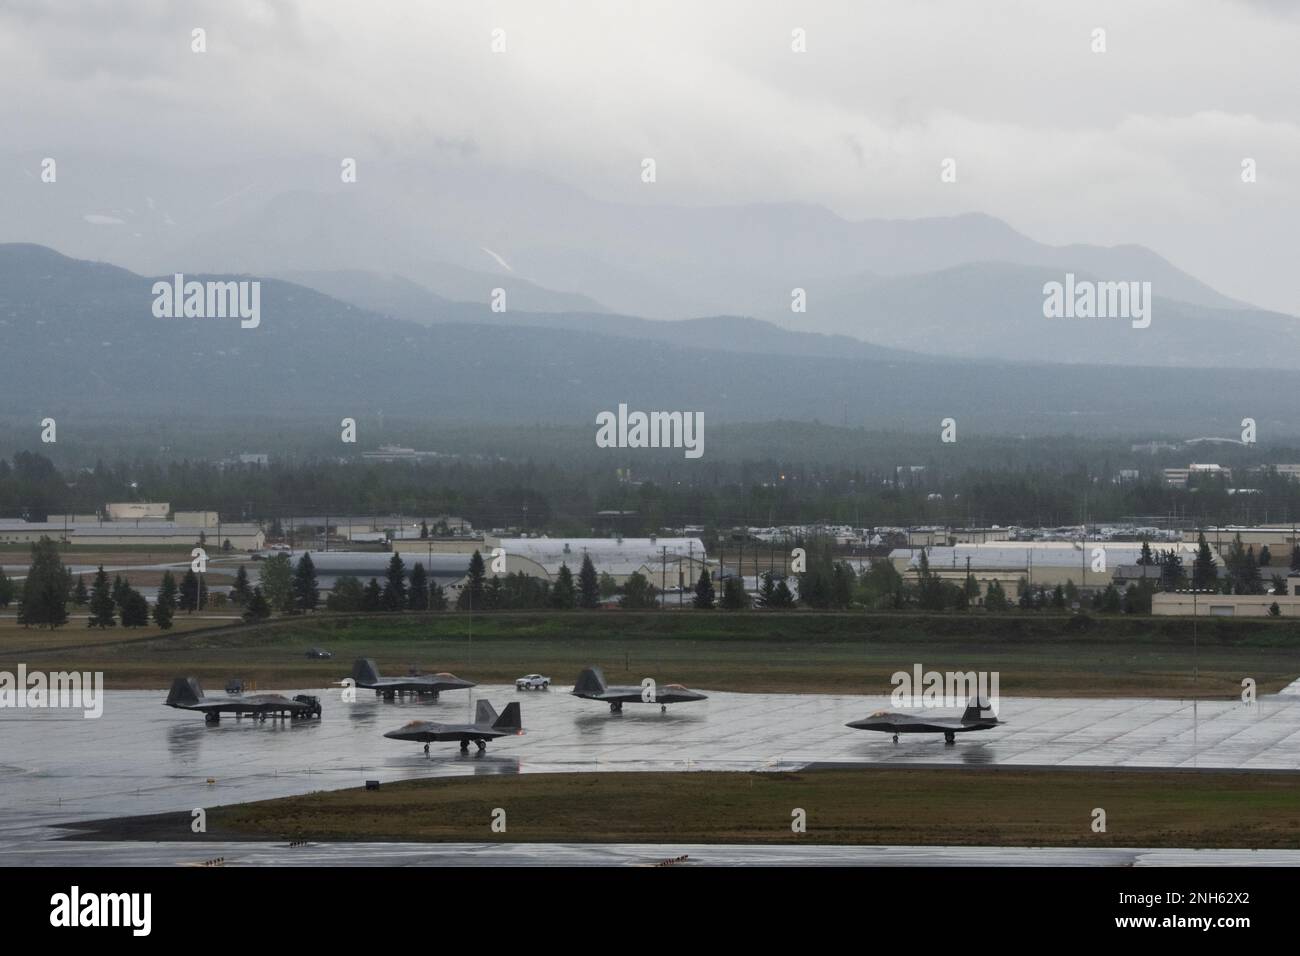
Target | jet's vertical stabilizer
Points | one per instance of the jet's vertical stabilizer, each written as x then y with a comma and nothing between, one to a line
484,713
185,691
510,721
364,671
590,681
977,711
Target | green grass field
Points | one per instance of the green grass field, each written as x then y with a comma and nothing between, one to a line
797,652
948,807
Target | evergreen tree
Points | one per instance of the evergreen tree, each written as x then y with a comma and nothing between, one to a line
135,609
306,589
394,595
45,590
372,598
638,592
1265,557
276,583
1205,574
768,587
494,595
608,587
734,596
437,597
120,588
995,598
241,592
1279,584
80,596
782,597
418,597
1058,598
563,595
1295,558
424,530
189,596
348,595
471,595
588,584
101,601
7,589
1146,558
1110,600
258,609
704,591
164,608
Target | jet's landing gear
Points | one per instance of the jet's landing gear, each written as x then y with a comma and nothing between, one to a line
464,746
482,745
663,708
949,739
212,717
616,707
895,738
426,748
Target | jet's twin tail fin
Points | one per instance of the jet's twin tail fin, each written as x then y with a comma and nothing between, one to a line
484,713
510,721
591,681
977,711
364,671
185,692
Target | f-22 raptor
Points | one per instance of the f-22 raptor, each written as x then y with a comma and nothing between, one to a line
975,717
487,726
186,694
591,686
366,674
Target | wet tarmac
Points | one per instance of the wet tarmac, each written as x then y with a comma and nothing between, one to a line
141,757
611,854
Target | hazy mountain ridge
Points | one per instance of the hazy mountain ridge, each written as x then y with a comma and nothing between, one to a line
81,341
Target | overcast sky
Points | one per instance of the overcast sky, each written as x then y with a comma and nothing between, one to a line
1140,144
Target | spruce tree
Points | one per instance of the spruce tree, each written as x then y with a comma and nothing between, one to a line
306,589
7,589
704,591
164,609
394,594
45,591
241,592
135,609
101,601
189,596
1205,574
80,596
563,595
471,595
437,597
372,598
588,584
259,609
418,598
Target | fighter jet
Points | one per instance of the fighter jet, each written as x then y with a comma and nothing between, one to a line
975,717
186,694
591,686
487,726
366,674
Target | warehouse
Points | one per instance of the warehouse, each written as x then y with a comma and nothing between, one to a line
1088,564
242,537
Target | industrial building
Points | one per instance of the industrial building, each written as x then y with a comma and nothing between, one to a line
242,537
1088,564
